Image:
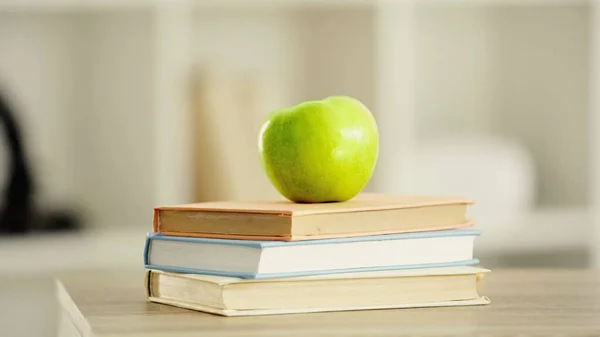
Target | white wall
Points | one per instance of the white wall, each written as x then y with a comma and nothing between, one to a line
79,77
453,70
337,52
82,84
37,76
540,58
517,72
113,124
246,65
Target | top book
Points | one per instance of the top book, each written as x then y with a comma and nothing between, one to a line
366,214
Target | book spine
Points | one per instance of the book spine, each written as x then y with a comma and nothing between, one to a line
147,285
155,221
146,250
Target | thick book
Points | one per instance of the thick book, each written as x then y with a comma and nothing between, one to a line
273,259
366,214
227,296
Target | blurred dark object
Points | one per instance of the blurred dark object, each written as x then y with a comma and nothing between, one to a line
60,220
18,213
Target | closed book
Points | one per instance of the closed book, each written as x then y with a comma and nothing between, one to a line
279,220
227,296
274,259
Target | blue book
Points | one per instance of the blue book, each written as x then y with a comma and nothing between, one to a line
276,259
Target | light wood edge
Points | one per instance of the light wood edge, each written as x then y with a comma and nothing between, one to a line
66,327
70,309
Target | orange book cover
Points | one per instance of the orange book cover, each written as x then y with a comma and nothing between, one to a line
366,214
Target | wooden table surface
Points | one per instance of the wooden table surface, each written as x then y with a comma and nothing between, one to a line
524,302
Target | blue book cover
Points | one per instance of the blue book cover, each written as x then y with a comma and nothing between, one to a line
260,245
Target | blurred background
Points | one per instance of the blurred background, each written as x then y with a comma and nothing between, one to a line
110,108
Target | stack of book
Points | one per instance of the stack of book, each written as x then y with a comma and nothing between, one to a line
277,257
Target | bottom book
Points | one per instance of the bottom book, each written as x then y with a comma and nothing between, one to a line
228,296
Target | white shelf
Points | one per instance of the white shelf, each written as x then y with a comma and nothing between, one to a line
52,253
538,232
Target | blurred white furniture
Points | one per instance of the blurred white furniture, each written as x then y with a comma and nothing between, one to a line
497,173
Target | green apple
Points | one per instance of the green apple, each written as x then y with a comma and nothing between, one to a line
320,151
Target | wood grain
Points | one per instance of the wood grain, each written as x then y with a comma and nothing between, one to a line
524,303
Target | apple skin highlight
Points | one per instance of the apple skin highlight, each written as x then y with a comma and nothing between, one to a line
320,151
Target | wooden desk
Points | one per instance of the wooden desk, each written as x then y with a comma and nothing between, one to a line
524,303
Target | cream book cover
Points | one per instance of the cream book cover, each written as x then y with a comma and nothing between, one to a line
228,296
